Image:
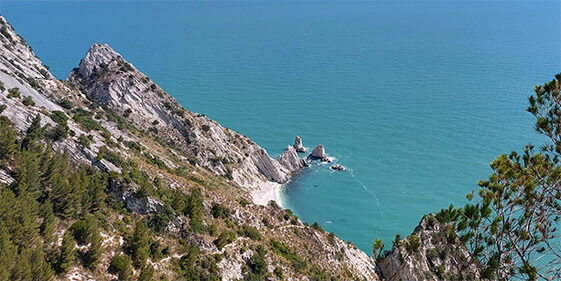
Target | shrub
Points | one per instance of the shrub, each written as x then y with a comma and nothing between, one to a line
84,141
118,263
87,122
244,202
133,145
2,87
206,128
59,117
283,250
115,158
44,72
127,113
2,108
224,239
257,263
32,82
4,31
250,232
28,100
220,211
316,226
14,93
65,103
57,133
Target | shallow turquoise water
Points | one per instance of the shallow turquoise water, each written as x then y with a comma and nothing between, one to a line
414,98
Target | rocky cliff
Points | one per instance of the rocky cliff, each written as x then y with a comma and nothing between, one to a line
182,174
117,84
431,252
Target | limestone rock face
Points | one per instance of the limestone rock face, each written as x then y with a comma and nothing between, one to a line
117,84
434,259
319,153
298,145
141,205
289,159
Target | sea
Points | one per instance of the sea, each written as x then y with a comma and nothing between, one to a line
414,98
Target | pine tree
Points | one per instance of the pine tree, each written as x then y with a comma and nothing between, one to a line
93,256
8,143
126,273
33,133
8,254
61,196
96,192
27,174
46,157
78,182
18,216
140,246
23,269
146,273
48,224
67,253
41,270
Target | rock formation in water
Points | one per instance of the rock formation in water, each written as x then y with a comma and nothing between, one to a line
298,145
319,153
289,159
337,167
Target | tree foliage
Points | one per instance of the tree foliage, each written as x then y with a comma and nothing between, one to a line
511,226
140,244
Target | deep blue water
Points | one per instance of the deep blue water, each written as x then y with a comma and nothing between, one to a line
414,98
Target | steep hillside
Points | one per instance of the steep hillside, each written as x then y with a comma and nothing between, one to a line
105,176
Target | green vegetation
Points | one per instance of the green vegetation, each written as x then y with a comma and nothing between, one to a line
250,232
139,245
65,103
219,211
511,222
87,122
283,250
14,93
257,263
224,239
113,157
59,117
28,101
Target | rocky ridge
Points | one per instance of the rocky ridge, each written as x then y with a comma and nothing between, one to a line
117,84
107,113
140,123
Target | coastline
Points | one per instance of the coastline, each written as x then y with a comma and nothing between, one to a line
266,192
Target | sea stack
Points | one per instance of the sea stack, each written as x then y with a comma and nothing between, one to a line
298,145
290,160
319,153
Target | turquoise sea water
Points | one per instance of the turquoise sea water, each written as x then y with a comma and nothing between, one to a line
414,98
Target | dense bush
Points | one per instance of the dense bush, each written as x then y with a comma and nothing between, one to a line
28,101
14,93
224,239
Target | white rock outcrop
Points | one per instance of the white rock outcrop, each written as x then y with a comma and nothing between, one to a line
298,145
319,153
117,84
289,159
